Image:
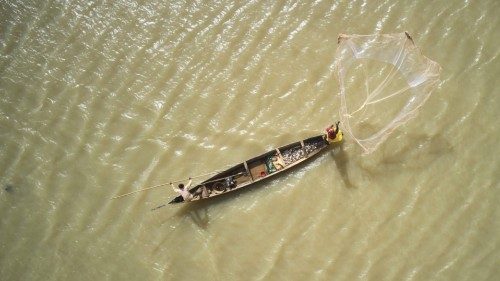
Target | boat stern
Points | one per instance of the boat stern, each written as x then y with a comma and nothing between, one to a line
176,200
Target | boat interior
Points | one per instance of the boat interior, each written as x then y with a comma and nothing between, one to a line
258,168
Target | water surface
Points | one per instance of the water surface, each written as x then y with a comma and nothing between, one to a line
100,98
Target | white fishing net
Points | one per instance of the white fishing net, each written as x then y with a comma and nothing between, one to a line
384,80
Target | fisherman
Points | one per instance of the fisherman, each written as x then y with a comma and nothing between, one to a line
184,190
202,191
230,182
331,132
278,162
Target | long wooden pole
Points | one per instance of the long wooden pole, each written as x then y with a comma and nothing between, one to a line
163,184
144,189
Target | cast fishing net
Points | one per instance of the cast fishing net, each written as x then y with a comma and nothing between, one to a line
384,80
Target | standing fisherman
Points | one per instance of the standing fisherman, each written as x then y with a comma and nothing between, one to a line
331,132
184,190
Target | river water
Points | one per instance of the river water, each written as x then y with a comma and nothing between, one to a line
101,98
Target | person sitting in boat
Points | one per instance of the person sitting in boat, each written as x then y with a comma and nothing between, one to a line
331,132
184,190
278,162
230,182
202,192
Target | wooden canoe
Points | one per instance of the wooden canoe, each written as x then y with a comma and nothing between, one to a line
259,168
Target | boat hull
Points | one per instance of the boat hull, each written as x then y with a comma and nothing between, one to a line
257,169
